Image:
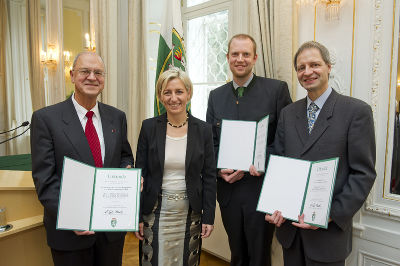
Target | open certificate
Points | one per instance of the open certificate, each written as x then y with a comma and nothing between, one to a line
98,199
294,187
242,144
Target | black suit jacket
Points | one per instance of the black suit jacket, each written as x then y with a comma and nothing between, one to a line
199,165
345,129
262,97
57,132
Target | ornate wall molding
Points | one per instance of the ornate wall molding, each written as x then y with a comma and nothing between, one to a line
336,79
377,54
381,210
376,59
367,258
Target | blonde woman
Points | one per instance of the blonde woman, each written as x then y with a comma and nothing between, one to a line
175,152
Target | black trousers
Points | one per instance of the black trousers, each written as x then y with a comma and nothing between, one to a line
102,253
295,256
249,235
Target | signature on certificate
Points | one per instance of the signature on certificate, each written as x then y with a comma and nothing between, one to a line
109,212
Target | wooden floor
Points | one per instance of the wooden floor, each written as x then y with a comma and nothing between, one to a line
131,254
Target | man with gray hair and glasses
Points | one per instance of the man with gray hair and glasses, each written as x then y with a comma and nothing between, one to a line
88,131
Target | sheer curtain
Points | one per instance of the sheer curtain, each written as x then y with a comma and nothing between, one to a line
3,20
55,74
108,44
17,88
34,47
137,70
272,24
103,27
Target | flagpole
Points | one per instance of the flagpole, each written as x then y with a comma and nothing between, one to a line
172,50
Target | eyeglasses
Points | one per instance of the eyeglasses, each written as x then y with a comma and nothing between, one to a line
84,72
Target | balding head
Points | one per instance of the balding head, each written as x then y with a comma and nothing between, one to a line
86,52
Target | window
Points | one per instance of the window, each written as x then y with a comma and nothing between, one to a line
207,35
195,2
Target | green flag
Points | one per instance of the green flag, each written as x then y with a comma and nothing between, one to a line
171,49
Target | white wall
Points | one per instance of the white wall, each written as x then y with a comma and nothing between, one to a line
361,42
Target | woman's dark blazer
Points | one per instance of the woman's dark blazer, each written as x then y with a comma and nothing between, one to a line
200,174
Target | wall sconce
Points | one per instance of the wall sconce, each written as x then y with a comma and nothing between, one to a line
89,44
332,10
49,58
67,64
332,7
67,56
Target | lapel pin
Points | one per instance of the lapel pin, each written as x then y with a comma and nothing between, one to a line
113,130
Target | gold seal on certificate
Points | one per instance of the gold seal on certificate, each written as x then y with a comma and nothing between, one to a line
98,199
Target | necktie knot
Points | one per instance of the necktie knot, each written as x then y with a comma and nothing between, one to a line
312,114
313,108
89,114
240,91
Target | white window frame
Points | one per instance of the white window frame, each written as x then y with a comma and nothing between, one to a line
204,9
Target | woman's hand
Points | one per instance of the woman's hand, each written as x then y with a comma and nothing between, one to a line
139,235
141,179
206,230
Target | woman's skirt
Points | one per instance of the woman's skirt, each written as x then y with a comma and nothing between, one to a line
171,232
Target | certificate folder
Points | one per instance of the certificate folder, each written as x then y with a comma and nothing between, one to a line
98,199
242,144
295,186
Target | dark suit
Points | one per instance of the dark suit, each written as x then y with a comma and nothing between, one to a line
249,235
344,129
199,165
395,176
57,132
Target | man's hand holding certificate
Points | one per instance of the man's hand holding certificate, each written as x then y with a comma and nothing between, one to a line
298,190
98,199
243,143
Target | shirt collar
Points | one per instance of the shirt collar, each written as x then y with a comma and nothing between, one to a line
81,111
235,85
320,101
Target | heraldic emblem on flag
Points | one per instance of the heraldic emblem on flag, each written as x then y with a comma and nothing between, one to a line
171,49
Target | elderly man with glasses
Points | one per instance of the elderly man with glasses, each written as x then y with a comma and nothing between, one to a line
88,131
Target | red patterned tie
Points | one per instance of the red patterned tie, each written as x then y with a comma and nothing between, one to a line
93,140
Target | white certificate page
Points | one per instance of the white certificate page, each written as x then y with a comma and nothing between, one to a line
284,186
236,146
319,192
260,151
116,200
75,195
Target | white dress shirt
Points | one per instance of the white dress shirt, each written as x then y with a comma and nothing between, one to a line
81,112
